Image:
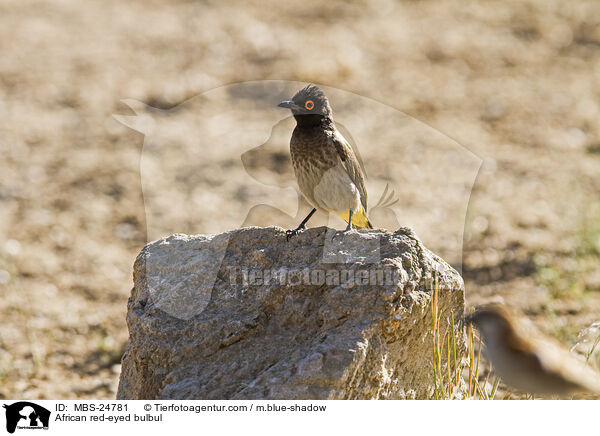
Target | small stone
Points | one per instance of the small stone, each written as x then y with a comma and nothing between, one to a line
494,110
575,138
12,247
4,277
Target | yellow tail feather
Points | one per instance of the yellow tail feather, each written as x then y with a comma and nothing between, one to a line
359,219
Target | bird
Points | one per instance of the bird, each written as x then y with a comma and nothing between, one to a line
326,168
527,361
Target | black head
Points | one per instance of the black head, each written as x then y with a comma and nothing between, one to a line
309,101
490,320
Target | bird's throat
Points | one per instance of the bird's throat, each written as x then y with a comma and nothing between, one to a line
311,120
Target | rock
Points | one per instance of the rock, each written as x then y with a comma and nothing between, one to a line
249,315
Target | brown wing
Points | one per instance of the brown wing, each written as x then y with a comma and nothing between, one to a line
548,378
351,165
520,347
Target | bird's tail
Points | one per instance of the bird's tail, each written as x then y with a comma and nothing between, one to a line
359,219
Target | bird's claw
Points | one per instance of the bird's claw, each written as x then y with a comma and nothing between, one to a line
343,232
294,232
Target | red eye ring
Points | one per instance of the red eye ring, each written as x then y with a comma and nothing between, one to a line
309,105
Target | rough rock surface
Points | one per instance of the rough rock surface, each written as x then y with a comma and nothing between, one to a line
205,321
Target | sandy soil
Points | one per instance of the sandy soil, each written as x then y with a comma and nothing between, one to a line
515,83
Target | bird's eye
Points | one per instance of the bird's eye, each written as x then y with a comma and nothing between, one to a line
309,105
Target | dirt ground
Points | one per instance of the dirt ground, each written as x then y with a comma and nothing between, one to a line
516,83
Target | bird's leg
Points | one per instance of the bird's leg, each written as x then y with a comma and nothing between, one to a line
348,228
302,226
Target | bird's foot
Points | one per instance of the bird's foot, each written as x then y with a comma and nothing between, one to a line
346,231
290,233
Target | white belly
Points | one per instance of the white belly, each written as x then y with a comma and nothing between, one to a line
335,192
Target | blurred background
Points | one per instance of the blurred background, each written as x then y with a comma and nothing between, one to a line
516,83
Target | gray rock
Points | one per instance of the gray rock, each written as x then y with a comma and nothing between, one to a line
249,315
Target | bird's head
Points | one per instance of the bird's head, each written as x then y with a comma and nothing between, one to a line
309,101
491,321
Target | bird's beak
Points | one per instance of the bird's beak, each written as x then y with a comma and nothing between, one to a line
289,104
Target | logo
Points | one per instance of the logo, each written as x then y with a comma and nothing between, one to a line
26,415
